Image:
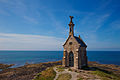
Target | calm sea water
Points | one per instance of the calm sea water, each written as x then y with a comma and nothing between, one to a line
19,58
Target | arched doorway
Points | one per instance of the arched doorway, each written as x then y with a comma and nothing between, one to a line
71,59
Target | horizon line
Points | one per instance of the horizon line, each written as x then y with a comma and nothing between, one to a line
56,50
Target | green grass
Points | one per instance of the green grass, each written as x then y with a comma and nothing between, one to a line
69,69
106,76
48,74
65,76
80,79
60,69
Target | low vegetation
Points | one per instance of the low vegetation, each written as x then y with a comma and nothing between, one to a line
26,72
5,66
106,75
110,68
65,76
105,71
60,68
48,74
69,69
44,71
80,79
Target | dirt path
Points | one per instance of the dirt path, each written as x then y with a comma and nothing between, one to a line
73,74
57,73
76,75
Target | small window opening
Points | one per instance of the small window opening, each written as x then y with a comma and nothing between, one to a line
70,43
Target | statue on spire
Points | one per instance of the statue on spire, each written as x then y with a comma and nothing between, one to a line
71,17
71,25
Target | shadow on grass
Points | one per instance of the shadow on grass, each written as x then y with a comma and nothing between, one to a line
96,68
99,69
104,74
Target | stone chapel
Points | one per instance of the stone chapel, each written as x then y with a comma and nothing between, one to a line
74,54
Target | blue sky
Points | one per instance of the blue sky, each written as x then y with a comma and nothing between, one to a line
43,24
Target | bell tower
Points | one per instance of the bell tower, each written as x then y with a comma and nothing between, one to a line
71,27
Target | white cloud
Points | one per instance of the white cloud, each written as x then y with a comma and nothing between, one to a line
29,42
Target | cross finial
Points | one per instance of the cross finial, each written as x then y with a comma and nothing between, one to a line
71,17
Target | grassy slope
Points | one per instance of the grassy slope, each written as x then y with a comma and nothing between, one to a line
26,72
105,71
106,76
48,74
60,68
65,76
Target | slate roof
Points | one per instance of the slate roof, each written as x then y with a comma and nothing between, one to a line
80,41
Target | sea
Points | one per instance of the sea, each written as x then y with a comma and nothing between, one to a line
20,58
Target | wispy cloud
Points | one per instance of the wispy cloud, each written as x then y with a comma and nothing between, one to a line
94,22
18,8
91,24
77,12
32,20
105,3
14,6
115,25
29,42
4,13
